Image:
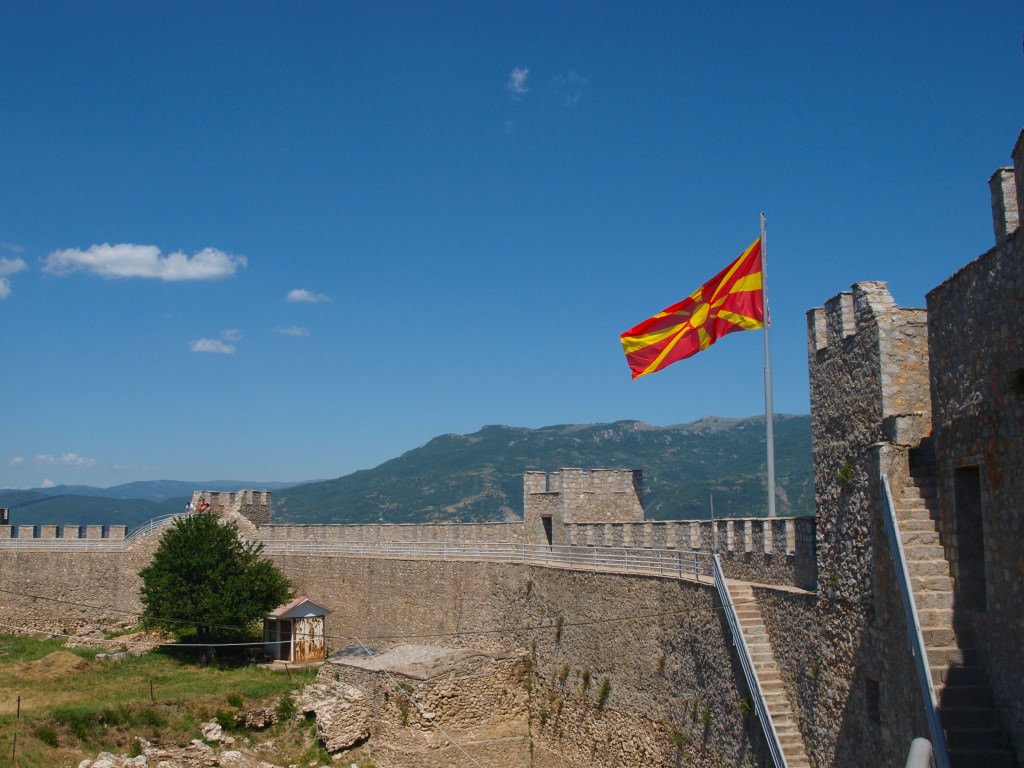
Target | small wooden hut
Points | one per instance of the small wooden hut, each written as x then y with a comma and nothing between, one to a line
295,631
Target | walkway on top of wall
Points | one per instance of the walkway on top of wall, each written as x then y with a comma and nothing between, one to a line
664,563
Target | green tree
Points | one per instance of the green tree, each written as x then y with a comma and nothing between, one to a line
205,575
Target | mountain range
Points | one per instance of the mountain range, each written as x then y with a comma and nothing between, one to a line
479,476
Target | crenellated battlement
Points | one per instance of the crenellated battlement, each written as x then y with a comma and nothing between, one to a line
64,532
553,500
868,360
256,506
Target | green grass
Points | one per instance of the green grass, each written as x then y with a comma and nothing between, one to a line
73,706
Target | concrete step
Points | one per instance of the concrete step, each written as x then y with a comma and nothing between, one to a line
912,500
915,524
964,696
936,637
930,599
911,506
973,738
931,583
967,717
948,656
935,617
755,636
927,567
987,757
917,552
927,537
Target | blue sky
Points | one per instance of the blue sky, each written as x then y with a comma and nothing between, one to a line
286,241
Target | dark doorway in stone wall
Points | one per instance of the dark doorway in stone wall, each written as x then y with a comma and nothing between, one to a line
546,520
970,539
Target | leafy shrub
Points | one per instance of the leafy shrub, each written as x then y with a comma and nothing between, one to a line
46,734
285,708
150,717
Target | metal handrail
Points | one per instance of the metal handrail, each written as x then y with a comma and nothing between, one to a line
49,545
102,543
920,754
152,525
667,563
756,692
918,649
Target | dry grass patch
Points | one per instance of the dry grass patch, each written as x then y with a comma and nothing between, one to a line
74,705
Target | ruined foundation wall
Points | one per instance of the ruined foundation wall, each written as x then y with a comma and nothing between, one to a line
661,646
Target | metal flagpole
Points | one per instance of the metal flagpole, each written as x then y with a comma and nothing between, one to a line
769,416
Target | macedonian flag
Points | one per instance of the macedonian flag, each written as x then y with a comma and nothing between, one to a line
730,301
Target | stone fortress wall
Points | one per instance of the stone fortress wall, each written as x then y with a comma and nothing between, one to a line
888,384
976,333
868,366
923,397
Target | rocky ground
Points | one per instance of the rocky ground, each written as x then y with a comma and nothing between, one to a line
411,705
214,750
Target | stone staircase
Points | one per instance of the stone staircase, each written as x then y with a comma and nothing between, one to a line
973,734
756,636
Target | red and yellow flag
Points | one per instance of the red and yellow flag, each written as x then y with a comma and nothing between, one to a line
730,301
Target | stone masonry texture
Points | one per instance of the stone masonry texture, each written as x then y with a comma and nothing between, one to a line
627,670
976,330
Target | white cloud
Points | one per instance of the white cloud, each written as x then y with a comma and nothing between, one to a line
9,267
231,334
301,294
517,80
12,266
212,345
64,460
17,461
144,261
47,483
292,330
570,87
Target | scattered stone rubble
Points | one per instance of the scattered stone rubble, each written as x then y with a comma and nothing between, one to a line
130,643
197,754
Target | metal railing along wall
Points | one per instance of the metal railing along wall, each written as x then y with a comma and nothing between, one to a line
666,563
151,525
107,544
920,755
940,754
756,692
